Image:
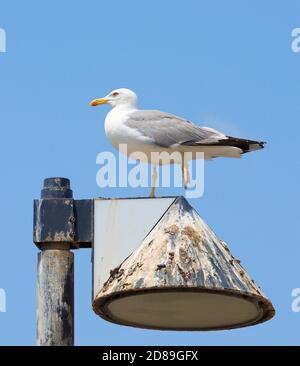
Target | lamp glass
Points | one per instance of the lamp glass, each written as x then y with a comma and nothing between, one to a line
180,310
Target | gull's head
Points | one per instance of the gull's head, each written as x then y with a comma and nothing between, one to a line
119,97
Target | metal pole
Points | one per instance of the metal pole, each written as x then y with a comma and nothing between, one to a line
55,278
55,298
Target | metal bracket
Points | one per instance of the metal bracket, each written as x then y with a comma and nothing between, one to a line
58,218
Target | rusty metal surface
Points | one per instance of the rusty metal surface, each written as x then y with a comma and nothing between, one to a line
56,188
58,218
84,222
54,220
181,252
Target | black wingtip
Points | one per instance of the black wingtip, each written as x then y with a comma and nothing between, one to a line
262,144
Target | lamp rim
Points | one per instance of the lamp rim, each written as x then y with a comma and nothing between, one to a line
101,304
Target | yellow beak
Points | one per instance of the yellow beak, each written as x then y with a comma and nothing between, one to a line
99,101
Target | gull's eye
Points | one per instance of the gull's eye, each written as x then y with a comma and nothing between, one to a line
115,94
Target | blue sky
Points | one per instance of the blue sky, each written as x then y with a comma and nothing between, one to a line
224,64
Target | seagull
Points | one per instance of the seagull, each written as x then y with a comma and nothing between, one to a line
153,131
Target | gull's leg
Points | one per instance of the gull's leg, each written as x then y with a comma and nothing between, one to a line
153,183
185,173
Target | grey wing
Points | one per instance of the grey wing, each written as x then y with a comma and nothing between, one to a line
165,129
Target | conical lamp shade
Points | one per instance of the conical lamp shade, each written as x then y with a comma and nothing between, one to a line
182,277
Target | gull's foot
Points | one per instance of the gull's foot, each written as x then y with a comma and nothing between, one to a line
152,193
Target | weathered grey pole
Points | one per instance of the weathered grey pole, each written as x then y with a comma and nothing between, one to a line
55,269
55,298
